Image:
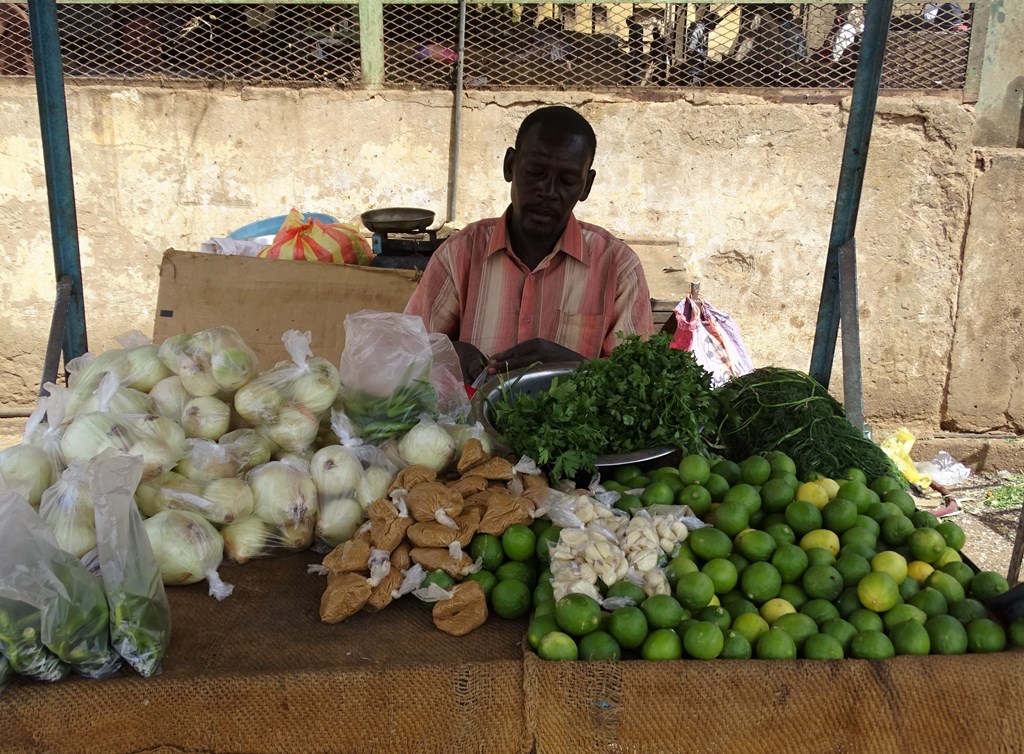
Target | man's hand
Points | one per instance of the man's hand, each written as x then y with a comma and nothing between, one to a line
473,362
530,352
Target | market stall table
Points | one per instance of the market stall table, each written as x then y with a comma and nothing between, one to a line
259,672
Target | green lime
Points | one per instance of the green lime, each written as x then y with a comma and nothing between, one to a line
931,601
779,461
857,493
926,544
799,626
663,610
744,494
703,641
639,482
557,646
885,483
756,545
722,573
902,500
852,568
910,637
988,585
627,590
948,635
739,561
953,534
694,469
629,503
519,542
749,625
518,571
781,533
760,582
486,580
896,530
803,517
866,522
820,611
735,647
900,613
544,608
794,595
717,486
842,630
878,591
924,519
776,644
728,470
662,644
440,577
629,627
683,550
818,555
949,586
1016,633
539,525
539,628
967,610
715,614
871,645
775,494
546,540
669,477
755,470
658,493
822,647
577,614
855,475
790,561
599,645
866,620
848,601
908,588
543,592
959,571
788,478
858,549
739,606
839,515
511,599
694,591
822,582
625,474
709,542
676,568
488,549
878,512
697,497
731,518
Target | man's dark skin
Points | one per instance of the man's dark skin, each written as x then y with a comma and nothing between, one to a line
550,173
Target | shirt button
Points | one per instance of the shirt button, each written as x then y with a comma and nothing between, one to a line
526,320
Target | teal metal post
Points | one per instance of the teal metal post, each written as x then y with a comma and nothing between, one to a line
851,179
60,188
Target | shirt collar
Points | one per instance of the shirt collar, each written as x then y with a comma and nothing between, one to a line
570,242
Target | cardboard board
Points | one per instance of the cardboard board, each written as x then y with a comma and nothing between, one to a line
261,298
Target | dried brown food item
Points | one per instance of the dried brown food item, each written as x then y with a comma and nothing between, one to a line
351,556
503,512
439,557
493,468
425,500
534,482
381,597
387,527
465,611
411,476
346,594
473,454
436,534
400,559
469,485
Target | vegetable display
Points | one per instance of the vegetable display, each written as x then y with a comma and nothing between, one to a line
643,395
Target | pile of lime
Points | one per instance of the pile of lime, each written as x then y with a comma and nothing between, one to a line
813,568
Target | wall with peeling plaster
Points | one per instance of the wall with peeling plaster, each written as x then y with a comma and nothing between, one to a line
734,189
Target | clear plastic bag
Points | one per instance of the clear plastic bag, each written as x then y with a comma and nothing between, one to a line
187,549
393,372
211,362
286,403
136,366
220,501
6,672
67,507
52,610
140,615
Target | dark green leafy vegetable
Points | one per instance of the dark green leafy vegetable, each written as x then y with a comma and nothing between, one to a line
643,395
21,642
5,672
380,418
783,409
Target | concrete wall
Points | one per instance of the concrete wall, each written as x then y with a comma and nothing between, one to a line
736,189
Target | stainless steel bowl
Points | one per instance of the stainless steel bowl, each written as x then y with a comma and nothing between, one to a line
537,379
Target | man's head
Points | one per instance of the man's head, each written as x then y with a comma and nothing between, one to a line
550,171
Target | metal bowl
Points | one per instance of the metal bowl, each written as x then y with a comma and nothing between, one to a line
397,220
538,379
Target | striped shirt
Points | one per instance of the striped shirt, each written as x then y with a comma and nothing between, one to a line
476,290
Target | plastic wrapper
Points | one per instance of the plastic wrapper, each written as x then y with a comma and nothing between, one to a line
427,444
944,469
495,469
206,417
211,362
136,366
463,433
206,460
220,501
187,549
67,508
346,594
169,398
338,520
463,612
309,239
287,402
393,372
897,446
378,468
140,615
52,610
286,501
27,469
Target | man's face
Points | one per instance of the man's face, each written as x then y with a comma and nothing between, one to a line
549,173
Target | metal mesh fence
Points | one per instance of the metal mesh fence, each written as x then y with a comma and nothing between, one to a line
581,45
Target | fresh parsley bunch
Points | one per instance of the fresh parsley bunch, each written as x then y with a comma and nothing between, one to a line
643,395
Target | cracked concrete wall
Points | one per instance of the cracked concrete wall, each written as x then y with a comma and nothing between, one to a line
735,189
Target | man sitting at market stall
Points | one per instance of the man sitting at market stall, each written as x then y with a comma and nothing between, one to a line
536,285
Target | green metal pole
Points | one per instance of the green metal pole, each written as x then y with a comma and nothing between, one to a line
371,42
60,187
851,179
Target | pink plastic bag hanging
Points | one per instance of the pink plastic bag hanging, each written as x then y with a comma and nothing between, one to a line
713,337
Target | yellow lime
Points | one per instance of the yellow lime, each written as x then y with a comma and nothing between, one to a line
878,591
558,646
750,625
831,486
813,493
919,571
891,563
774,609
821,538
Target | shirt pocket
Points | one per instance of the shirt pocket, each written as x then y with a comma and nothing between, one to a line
583,333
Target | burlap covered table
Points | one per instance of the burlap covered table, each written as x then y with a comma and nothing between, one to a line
259,672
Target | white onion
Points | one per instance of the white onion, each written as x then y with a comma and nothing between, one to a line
147,495
259,401
230,500
145,369
90,434
123,401
169,398
206,417
336,471
297,535
373,485
427,444
27,469
462,433
188,549
247,447
197,378
233,367
174,351
67,507
205,460
293,429
316,386
283,493
338,520
246,539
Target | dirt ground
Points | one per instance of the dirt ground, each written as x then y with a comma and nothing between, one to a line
989,510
